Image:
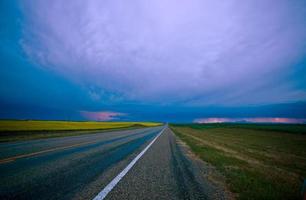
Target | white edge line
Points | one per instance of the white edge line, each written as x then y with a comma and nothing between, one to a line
116,180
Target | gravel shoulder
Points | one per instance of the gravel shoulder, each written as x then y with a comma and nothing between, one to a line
169,170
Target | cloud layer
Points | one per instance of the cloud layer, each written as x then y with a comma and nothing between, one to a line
190,52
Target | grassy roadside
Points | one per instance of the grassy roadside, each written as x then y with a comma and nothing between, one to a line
14,130
258,163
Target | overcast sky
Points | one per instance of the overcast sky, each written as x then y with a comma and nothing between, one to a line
152,60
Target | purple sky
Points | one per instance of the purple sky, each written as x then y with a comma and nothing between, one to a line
188,53
194,51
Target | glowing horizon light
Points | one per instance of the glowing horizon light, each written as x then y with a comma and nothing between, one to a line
156,60
102,115
252,120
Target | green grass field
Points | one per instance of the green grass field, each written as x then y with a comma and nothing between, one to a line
12,130
258,161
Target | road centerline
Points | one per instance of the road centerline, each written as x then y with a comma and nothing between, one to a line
13,158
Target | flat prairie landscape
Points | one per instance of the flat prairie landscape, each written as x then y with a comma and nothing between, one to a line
258,161
11,130
155,99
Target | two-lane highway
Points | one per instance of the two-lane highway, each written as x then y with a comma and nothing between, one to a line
132,164
65,168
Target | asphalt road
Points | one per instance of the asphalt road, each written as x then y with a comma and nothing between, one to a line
79,167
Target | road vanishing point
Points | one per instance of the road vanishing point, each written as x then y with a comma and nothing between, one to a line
146,163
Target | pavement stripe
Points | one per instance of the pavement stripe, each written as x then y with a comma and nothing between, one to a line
116,180
11,159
